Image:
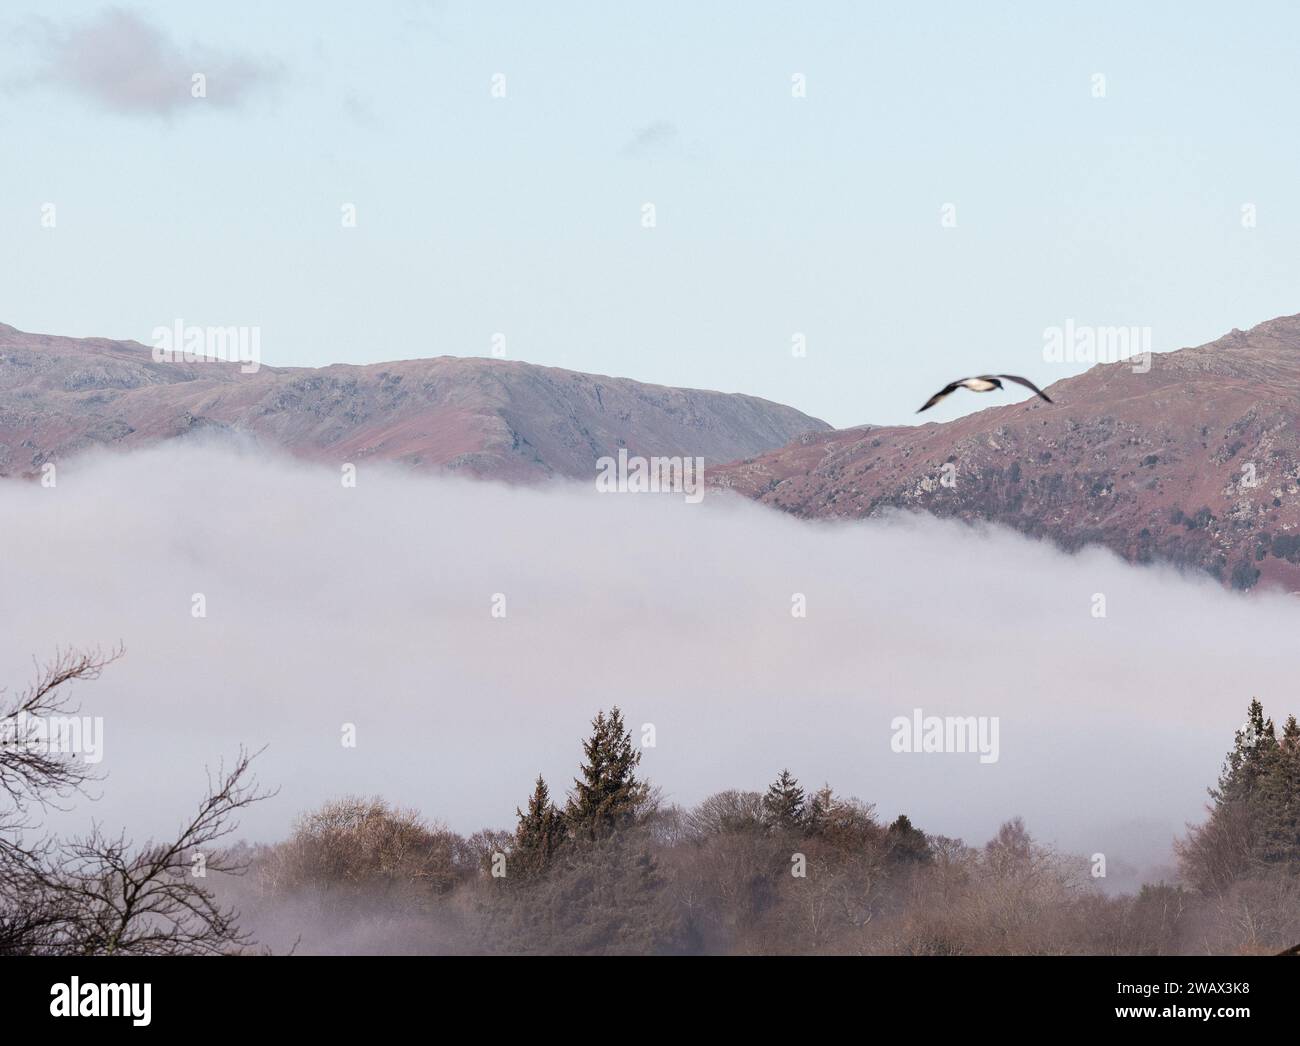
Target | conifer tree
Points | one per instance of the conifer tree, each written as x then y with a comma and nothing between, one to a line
1251,818
817,814
608,796
907,843
1252,747
783,805
539,833
1277,801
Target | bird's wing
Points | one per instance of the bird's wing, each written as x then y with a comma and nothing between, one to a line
1027,384
945,391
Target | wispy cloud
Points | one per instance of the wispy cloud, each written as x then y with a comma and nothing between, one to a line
126,64
360,111
652,138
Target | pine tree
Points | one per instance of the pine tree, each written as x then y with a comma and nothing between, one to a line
1248,822
1252,747
608,796
539,833
817,814
1277,801
783,805
907,843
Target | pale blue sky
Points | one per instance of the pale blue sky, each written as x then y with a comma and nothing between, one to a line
775,215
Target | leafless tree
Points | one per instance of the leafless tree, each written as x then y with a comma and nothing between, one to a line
1215,854
100,895
33,778
31,774
117,899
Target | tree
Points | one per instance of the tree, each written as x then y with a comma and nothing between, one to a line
783,805
608,796
1252,747
726,812
33,777
99,895
362,850
604,897
1011,851
539,834
1253,809
818,811
1277,801
907,843
119,900
1217,853
33,774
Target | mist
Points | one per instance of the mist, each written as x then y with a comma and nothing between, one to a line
373,606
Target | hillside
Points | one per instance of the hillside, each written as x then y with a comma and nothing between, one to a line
484,417
1196,462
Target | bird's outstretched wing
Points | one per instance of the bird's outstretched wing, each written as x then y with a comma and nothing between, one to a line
1027,384
945,391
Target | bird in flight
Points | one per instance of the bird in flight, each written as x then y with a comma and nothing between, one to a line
984,383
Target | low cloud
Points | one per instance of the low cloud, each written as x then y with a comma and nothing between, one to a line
126,64
373,606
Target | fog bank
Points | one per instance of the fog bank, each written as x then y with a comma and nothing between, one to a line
372,606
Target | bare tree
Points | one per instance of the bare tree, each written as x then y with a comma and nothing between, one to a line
31,774
118,900
1216,854
34,778
99,895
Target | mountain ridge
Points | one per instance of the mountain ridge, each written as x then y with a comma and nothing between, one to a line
492,418
1195,462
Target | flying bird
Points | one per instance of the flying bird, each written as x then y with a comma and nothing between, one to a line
984,383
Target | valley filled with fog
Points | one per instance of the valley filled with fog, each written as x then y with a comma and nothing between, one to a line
372,606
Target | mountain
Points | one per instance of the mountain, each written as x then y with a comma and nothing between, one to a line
1196,462
485,417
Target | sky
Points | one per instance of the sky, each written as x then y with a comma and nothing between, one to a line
775,216
468,632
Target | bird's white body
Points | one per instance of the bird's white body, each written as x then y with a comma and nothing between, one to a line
983,383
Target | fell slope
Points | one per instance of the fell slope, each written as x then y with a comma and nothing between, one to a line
489,418
1196,462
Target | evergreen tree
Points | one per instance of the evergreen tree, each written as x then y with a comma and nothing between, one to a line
1254,811
817,814
539,833
1252,747
608,796
907,843
783,805
1277,801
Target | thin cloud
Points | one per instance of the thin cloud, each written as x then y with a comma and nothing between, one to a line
126,64
360,111
652,138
